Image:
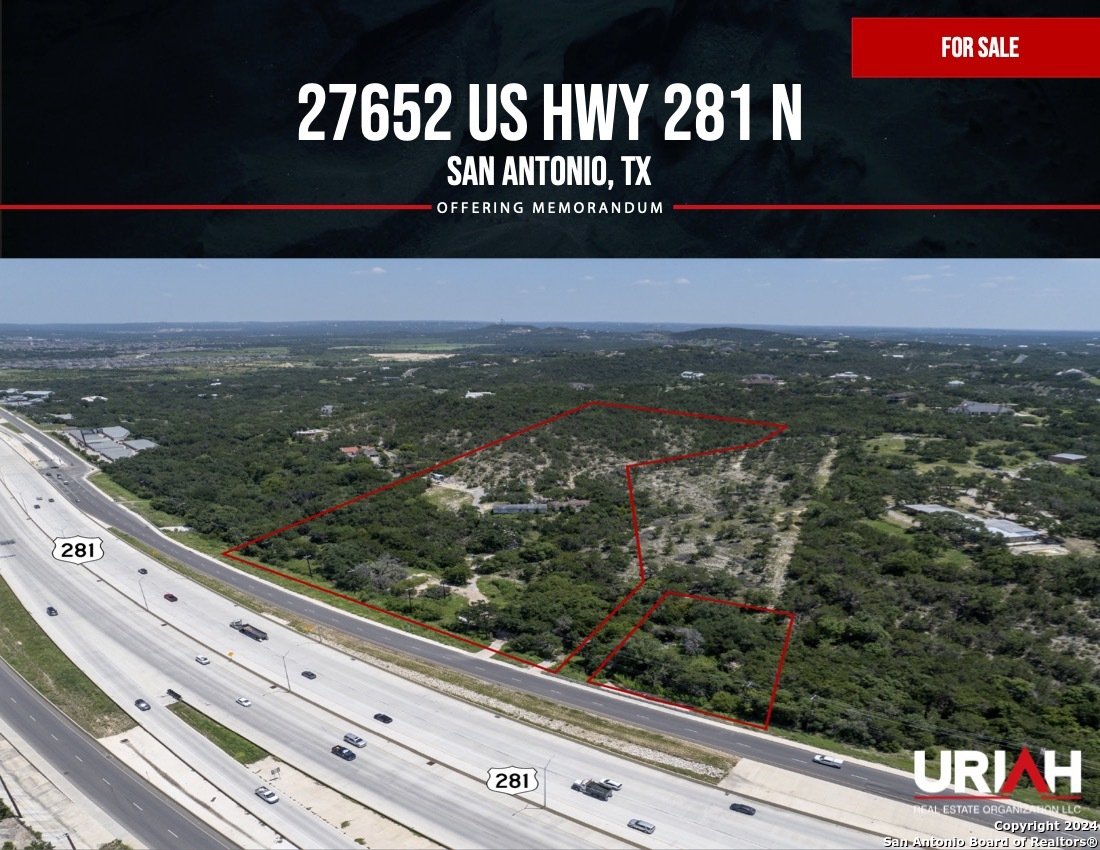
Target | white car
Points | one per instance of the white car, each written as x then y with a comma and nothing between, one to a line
267,795
245,701
829,761
612,784
202,659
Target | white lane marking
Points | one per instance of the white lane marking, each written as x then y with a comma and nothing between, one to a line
52,735
78,758
31,716
172,834
105,780
136,806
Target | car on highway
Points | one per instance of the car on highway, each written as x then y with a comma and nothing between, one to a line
641,825
245,701
612,784
39,498
142,571
267,795
202,659
142,705
344,753
171,597
37,506
829,761
742,808
51,611
383,718
309,674
354,740
51,498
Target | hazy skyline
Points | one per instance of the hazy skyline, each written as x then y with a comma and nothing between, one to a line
1004,294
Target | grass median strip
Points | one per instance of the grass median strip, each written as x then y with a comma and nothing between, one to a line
239,748
41,662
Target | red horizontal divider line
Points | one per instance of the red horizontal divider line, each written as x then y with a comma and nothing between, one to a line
888,207
428,207
209,207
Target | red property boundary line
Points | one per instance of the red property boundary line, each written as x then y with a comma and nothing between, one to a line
428,207
777,429
651,698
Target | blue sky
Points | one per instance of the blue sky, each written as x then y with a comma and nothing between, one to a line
1028,294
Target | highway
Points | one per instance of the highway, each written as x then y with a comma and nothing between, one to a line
639,713
437,748
147,813
131,654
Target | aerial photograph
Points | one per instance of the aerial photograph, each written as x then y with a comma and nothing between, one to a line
568,553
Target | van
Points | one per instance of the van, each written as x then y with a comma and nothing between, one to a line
829,761
354,740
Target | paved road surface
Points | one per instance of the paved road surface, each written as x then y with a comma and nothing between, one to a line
150,816
130,652
437,748
727,739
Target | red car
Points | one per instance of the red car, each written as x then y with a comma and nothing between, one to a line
171,597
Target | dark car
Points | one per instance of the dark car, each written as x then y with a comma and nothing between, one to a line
143,571
171,597
142,704
383,718
344,753
742,808
309,674
51,611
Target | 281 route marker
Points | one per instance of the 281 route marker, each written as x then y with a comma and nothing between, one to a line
77,550
513,780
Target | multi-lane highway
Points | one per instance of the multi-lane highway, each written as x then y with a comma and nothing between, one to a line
427,769
148,814
773,751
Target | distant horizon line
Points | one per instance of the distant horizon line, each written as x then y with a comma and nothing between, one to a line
548,324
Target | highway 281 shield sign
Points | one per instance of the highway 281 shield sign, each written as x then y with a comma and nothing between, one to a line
78,550
513,780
